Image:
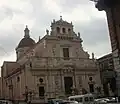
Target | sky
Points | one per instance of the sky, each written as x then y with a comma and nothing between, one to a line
38,14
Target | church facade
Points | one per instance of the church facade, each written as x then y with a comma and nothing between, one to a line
54,67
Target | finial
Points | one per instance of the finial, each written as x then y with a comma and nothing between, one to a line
60,17
53,20
39,39
47,32
26,32
93,57
79,34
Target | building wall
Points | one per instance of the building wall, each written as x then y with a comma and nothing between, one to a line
30,77
113,24
107,73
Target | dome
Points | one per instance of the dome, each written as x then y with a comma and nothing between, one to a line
26,42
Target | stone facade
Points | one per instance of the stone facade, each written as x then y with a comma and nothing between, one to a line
107,74
56,66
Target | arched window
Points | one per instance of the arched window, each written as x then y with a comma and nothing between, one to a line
69,30
63,30
58,30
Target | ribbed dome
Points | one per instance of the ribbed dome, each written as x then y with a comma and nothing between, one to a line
26,42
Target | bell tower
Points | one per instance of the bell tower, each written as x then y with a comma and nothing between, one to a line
61,27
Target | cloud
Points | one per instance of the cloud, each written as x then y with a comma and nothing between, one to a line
95,36
38,14
94,32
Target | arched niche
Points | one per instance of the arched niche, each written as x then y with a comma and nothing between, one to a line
58,30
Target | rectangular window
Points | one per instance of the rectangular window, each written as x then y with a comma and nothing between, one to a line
41,91
66,53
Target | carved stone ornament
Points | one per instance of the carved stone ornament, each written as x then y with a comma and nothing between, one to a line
80,80
77,52
91,82
47,31
67,70
53,51
57,84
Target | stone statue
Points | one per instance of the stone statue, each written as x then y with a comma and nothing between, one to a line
93,56
60,17
53,51
39,39
79,34
47,31
53,20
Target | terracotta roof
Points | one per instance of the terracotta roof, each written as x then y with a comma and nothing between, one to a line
26,42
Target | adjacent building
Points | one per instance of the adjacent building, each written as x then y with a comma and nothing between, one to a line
107,74
112,9
54,67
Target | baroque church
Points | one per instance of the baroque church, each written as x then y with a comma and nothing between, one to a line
54,67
